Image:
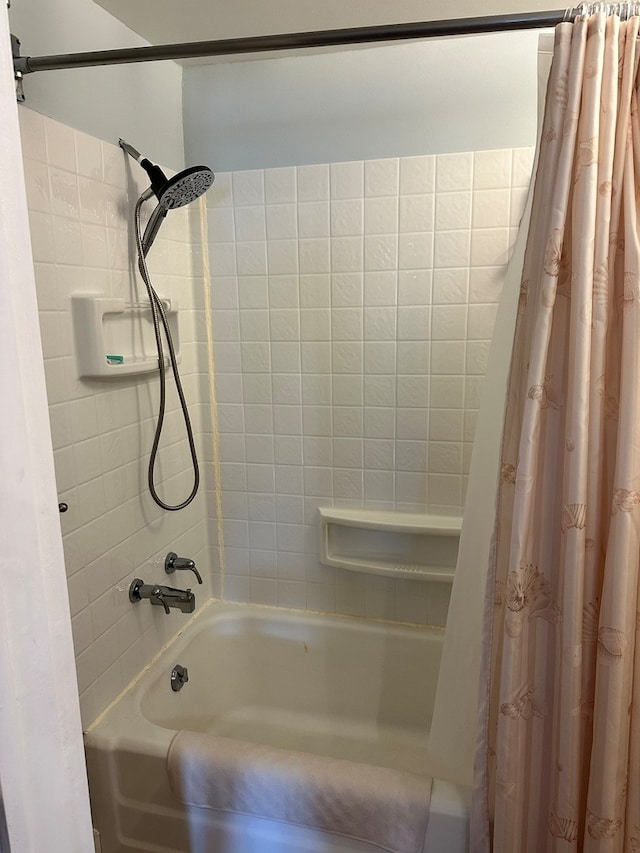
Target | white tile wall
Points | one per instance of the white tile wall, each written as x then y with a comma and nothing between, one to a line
355,305
81,194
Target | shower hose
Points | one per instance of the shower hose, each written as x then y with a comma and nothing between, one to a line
159,318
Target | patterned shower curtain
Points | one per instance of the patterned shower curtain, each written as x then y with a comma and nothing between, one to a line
558,758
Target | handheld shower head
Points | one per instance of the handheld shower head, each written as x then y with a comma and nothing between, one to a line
178,190
185,187
171,193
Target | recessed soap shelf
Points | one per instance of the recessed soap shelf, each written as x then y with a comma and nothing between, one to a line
114,337
404,545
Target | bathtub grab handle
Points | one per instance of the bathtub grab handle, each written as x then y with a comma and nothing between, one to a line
174,563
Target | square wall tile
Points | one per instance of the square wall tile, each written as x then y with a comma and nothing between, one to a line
413,357
253,292
347,255
417,213
285,356
417,174
452,249
250,223
454,172
347,218
282,257
380,357
316,357
313,183
492,169
346,324
489,247
413,391
380,390
347,180
313,219
248,188
221,225
315,291
314,256
347,289
381,215
346,390
280,185
453,210
380,324
285,324
251,258
450,286
381,252
281,222
415,287
381,177
491,208
449,322
283,291
414,323
415,251
448,357
446,424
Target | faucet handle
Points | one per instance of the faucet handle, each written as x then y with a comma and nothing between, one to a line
158,594
172,563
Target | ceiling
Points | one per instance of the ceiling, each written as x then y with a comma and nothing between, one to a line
170,21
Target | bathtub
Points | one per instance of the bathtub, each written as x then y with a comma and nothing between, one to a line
328,685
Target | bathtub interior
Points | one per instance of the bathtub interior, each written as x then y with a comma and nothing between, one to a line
320,685
330,685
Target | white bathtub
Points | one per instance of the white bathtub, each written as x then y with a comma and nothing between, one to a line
329,685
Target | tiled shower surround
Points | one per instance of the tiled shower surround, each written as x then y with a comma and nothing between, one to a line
353,310
81,194
353,307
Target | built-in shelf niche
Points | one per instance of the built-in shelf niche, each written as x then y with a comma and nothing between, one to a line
413,546
114,337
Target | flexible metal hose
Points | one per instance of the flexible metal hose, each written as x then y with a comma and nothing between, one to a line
159,317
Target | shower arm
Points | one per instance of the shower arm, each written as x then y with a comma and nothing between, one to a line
290,41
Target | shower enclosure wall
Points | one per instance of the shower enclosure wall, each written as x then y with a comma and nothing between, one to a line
78,194
353,306
353,310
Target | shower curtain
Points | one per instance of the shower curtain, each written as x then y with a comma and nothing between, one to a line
558,756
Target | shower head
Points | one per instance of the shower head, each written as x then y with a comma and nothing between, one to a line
185,187
177,191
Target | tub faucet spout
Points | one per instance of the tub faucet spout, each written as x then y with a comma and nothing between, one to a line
163,596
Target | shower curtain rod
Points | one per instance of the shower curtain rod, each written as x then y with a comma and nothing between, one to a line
288,41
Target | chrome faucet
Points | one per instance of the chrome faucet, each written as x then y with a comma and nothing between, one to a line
174,563
163,596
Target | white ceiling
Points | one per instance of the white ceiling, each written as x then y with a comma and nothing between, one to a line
169,21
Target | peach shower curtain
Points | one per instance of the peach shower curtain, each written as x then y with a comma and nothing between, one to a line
558,758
